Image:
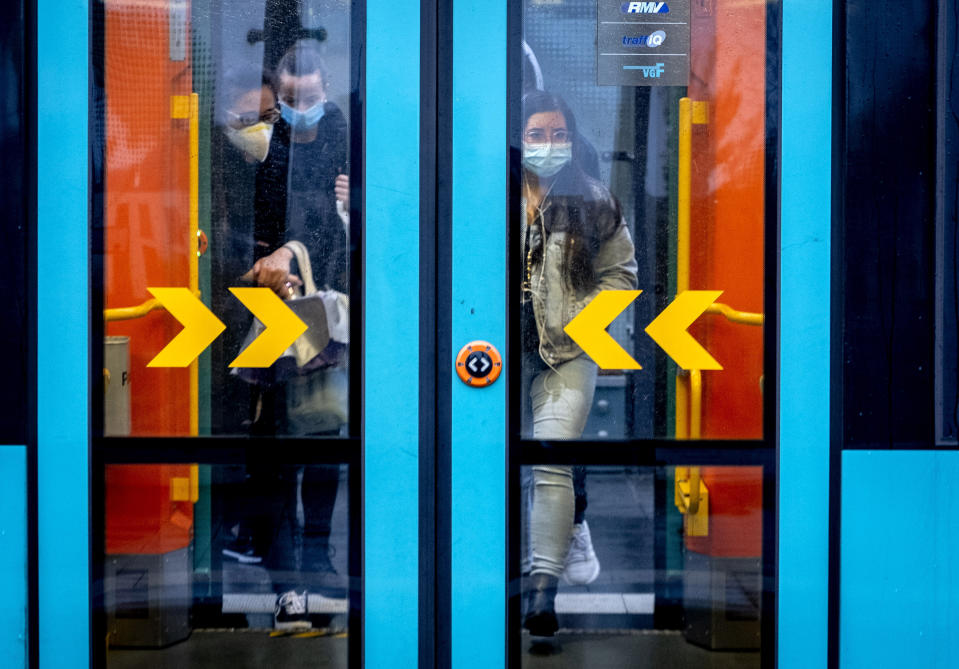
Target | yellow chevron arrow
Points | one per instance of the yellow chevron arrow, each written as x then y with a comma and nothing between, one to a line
200,327
282,327
588,329
669,329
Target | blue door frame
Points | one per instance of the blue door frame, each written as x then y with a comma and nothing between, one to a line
63,344
391,464
804,334
479,462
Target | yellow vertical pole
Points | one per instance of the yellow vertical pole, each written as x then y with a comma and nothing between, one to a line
689,383
685,181
694,491
695,377
680,475
682,247
192,246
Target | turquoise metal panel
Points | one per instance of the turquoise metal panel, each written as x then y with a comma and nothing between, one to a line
804,339
900,585
13,556
478,312
62,339
391,497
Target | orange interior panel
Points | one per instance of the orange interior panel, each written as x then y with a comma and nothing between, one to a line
728,63
146,201
143,518
735,513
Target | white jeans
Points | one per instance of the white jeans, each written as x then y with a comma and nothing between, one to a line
556,406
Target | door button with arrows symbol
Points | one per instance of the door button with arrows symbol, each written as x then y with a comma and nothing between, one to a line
478,364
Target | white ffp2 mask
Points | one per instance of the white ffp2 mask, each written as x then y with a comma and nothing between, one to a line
253,140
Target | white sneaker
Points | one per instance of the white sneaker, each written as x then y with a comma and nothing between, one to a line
290,612
582,565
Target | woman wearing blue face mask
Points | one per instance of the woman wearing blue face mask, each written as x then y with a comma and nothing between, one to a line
575,244
296,201
295,189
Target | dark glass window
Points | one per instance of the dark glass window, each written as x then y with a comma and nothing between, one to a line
947,231
894,278
14,254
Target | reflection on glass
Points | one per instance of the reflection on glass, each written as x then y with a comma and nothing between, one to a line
194,551
645,185
226,166
660,567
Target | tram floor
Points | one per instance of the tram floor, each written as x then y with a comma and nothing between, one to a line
255,648
603,623
646,649
237,649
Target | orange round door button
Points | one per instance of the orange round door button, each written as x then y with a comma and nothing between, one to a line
478,363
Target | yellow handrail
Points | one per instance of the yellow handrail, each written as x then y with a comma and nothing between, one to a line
188,107
734,316
129,313
682,404
695,404
684,177
692,476
689,113
689,383
694,418
682,246
681,474
139,311
192,242
181,107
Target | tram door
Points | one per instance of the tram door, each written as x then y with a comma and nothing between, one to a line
625,272
597,427
226,461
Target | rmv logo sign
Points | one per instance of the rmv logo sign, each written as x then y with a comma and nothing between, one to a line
645,8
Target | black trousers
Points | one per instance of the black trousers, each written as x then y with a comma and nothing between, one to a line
579,489
286,510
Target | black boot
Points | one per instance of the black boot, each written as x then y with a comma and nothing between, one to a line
540,612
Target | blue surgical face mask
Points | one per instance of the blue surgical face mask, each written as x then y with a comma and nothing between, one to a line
302,120
545,160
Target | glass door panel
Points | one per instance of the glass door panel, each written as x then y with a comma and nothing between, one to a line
226,151
665,194
641,195
225,451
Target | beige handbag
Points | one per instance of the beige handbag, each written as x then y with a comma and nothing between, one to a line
317,399
325,312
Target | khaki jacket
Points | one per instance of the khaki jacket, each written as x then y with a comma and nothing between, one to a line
555,300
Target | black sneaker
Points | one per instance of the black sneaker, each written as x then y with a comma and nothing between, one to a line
541,618
290,612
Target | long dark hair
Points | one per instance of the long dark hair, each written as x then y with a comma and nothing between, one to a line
572,199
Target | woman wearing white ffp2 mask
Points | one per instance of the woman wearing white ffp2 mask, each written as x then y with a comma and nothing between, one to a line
250,120
254,140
